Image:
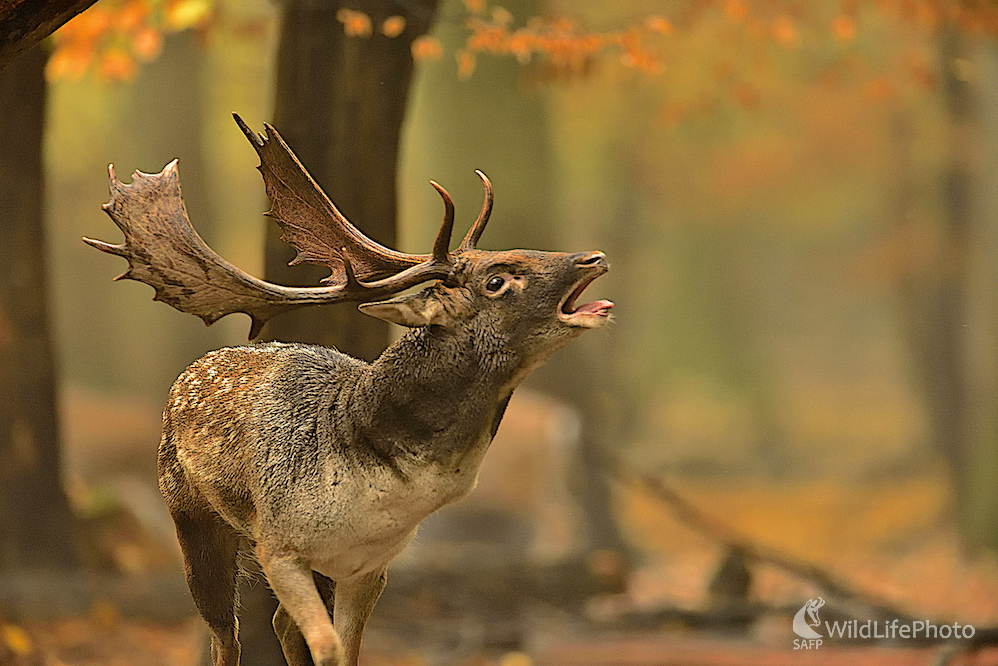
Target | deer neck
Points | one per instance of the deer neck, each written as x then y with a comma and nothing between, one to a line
436,397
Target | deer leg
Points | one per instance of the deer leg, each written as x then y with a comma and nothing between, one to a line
355,599
292,582
293,644
210,549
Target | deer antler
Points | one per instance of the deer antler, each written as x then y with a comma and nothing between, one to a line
164,251
475,232
311,223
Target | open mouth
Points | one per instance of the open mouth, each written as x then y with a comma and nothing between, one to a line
590,314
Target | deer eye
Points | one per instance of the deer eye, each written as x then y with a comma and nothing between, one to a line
495,283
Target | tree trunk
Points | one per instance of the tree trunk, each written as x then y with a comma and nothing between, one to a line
977,492
498,123
935,301
340,102
949,315
37,526
942,348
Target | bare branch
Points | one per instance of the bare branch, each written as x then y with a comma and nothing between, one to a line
24,23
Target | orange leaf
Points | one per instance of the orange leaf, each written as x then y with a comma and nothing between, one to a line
926,16
501,16
92,23
784,31
355,24
736,10
116,65
147,43
659,24
475,6
426,48
16,639
879,88
393,26
465,65
521,46
67,62
844,28
130,16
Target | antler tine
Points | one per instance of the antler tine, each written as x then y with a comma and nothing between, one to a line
471,238
441,246
352,283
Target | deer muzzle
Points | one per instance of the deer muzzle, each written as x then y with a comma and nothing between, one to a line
588,315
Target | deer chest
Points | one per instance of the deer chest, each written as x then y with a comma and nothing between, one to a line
367,520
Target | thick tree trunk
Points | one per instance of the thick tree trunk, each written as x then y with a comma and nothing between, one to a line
949,314
942,341
977,492
340,102
936,302
36,526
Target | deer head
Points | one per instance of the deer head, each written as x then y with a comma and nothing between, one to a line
533,292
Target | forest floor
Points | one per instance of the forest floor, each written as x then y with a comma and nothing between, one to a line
887,539
92,641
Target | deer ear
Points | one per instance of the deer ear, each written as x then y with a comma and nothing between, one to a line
413,311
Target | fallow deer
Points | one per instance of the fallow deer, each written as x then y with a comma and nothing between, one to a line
318,464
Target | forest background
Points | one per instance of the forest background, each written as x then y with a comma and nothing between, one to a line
799,203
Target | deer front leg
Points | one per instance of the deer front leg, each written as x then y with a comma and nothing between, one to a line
291,580
355,599
292,642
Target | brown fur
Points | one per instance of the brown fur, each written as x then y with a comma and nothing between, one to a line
325,465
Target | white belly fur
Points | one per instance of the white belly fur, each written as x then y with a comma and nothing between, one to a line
378,517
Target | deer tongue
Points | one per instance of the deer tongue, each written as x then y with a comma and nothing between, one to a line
596,307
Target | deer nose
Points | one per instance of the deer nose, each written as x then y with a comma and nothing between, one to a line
589,259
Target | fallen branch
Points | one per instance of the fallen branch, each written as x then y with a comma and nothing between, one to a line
693,517
717,531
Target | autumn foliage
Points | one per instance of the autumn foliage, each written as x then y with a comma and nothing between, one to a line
112,38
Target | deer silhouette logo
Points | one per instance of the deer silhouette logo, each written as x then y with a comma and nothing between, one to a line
807,617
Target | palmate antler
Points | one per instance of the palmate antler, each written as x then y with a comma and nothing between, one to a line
164,251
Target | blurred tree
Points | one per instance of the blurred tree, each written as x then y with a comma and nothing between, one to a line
343,74
980,509
24,24
937,305
340,103
34,512
946,309
498,120
962,403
